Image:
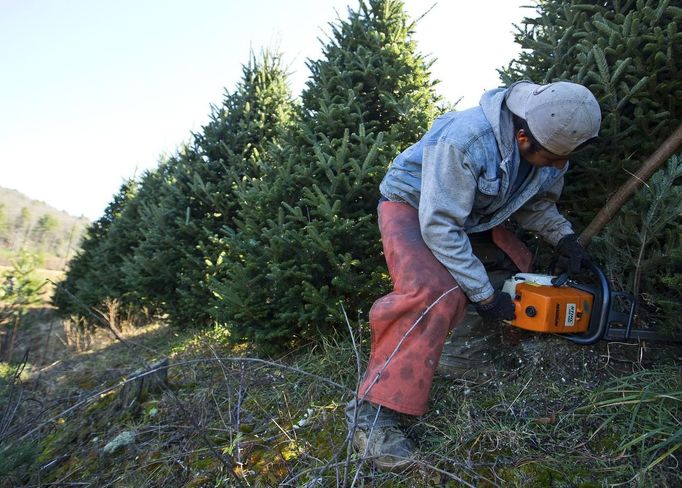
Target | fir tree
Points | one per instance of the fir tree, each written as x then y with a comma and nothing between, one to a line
84,278
629,54
99,272
643,245
141,272
306,240
196,197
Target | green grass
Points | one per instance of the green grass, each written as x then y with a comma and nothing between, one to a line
558,415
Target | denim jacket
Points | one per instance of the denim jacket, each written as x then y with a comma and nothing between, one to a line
459,176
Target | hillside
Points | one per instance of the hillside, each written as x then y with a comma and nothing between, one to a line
37,227
83,409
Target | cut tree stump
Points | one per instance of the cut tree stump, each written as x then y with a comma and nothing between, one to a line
143,382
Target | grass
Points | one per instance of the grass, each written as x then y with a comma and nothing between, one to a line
648,404
556,415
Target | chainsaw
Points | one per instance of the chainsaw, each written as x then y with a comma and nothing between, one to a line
583,313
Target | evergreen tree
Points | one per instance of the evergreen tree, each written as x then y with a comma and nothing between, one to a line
143,274
644,246
196,199
84,278
22,227
306,239
241,133
45,225
98,272
20,290
149,270
629,54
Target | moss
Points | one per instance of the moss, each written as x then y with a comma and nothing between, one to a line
152,461
203,460
101,403
63,434
199,481
16,457
563,473
607,444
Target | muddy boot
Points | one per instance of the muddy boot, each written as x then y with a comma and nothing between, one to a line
377,437
469,350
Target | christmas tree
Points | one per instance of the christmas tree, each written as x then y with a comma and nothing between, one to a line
306,240
197,198
629,54
90,277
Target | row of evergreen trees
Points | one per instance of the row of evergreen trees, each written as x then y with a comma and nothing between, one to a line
266,220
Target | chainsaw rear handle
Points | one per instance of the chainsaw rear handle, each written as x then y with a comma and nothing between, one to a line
601,307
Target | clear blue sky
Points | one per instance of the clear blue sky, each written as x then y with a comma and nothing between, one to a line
93,92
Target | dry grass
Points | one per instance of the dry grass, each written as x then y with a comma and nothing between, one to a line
556,415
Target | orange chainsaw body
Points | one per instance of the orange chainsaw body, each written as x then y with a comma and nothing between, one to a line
547,308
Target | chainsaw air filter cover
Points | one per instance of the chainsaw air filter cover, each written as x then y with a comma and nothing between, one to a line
543,307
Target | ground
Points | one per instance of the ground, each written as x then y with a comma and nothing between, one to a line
554,414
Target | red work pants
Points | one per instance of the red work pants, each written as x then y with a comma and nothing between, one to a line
409,325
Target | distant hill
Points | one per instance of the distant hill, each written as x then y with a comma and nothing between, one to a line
37,227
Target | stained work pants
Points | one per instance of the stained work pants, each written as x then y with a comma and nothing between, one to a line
404,356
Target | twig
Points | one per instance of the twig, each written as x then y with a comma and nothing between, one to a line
229,397
128,343
369,441
12,406
240,399
403,338
290,481
225,459
351,434
268,363
425,13
517,396
180,363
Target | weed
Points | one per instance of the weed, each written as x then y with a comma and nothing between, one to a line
555,415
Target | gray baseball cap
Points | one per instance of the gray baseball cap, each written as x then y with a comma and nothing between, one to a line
561,115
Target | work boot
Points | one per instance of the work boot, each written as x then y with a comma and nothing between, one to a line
468,351
376,436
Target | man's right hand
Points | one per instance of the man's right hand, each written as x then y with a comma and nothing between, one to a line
499,307
572,255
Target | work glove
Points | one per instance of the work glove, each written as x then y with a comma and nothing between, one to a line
500,308
572,256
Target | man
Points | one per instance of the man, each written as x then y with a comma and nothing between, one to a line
471,172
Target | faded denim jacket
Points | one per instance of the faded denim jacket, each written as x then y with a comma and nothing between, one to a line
459,176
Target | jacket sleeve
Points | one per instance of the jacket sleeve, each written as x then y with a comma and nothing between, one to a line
540,215
447,196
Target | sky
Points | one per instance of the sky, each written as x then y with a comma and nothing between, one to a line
95,92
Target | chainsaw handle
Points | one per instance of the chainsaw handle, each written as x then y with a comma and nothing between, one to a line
560,280
601,306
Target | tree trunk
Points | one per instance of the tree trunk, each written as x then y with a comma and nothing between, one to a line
7,342
655,161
